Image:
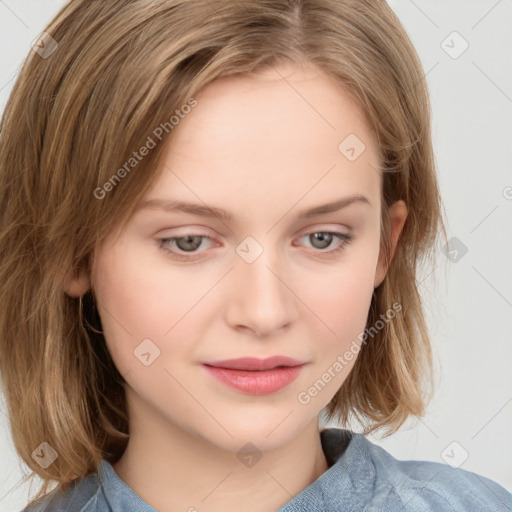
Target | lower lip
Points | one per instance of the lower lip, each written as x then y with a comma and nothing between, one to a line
256,382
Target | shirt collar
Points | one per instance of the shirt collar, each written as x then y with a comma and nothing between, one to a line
347,476
348,483
118,495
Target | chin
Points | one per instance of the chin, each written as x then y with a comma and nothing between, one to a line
265,433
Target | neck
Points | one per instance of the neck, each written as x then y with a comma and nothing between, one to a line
173,469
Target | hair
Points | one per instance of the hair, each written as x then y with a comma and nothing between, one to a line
118,70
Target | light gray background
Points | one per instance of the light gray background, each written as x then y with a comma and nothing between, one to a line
469,303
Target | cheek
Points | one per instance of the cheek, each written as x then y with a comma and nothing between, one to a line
158,301
134,283
341,296
342,302
135,302
344,310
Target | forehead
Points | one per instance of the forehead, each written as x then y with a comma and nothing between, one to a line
271,139
300,98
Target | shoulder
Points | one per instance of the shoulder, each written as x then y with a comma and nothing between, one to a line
83,496
425,485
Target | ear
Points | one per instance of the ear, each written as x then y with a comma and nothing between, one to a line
77,283
397,216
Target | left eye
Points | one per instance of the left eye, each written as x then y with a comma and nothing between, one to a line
324,239
184,247
186,243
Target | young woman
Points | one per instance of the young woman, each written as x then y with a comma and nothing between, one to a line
212,216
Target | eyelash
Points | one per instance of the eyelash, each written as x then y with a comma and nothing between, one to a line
345,239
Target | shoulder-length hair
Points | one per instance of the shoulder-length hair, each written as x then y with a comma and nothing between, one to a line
103,78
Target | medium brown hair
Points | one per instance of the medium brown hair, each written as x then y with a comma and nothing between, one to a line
120,69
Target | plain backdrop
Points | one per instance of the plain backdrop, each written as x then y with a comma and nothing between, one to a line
465,47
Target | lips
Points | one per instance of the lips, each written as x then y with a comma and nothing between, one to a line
255,364
255,376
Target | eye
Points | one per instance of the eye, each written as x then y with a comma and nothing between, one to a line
188,243
186,247
323,239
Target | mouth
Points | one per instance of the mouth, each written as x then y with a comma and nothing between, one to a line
256,376
254,363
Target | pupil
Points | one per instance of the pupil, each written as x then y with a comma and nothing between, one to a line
323,237
189,242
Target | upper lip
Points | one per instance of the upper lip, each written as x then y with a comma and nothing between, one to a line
254,363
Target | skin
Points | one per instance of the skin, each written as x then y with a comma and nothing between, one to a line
263,147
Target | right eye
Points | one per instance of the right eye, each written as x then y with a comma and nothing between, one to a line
187,244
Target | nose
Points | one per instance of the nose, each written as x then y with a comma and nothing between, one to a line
261,300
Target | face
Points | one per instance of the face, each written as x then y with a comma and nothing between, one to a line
178,288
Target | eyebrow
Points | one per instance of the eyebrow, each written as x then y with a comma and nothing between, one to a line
212,211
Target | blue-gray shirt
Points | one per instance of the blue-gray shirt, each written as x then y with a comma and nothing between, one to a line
361,477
